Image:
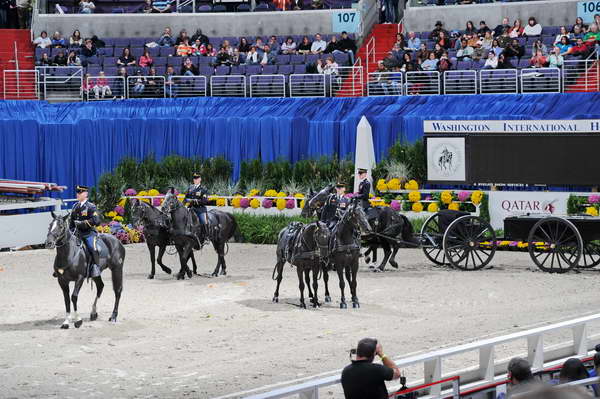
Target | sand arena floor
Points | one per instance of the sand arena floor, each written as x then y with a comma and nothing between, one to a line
209,337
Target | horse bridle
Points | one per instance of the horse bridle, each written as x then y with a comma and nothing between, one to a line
63,236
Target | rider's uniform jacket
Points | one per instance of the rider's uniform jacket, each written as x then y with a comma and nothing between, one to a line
364,190
333,205
84,217
197,196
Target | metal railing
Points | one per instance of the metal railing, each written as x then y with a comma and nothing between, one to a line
348,82
385,84
228,86
539,353
581,75
101,87
540,80
494,81
370,53
186,86
21,84
60,83
146,87
460,82
307,85
267,86
422,83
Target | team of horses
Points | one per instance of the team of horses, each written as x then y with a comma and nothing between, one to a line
315,249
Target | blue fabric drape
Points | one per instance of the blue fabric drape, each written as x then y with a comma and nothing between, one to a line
75,143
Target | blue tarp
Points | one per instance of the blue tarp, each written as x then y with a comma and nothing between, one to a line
74,143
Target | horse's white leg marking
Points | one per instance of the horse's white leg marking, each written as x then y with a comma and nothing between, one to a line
67,319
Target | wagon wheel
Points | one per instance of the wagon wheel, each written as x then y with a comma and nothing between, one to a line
430,231
555,245
591,255
469,243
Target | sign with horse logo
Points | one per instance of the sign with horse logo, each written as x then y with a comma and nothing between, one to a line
446,159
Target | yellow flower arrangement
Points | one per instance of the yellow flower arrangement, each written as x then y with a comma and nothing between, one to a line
299,195
446,197
381,185
433,207
476,197
522,245
235,202
411,185
454,206
254,192
221,202
281,194
590,210
122,202
302,204
118,218
417,207
393,184
153,192
111,214
143,194
180,197
254,203
280,203
414,196
271,193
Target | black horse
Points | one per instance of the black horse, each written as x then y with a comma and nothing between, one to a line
71,264
156,232
187,235
303,246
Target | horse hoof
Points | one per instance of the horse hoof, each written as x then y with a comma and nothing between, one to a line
113,318
64,327
189,274
93,316
223,273
78,323
343,305
150,276
371,267
215,275
276,299
368,259
167,270
180,277
394,265
327,299
355,305
303,305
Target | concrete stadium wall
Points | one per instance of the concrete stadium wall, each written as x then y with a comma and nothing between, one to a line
548,13
217,24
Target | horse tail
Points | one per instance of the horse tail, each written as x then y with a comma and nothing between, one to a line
407,230
237,234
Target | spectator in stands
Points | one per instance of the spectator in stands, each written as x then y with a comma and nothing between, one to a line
397,52
289,46
577,33
532,28
401,41
153,84
563,32
514,49
332,46
496,49
579,22
572,370
75,40
304,47
236,58
145,60
97,42
43,40
483,28
258,43
101,87
438,50
198,48
118,88
347,45
88,53
184,49
473,41
243,47
225,44
444,41
407,63
391,61
516,30
414,43
268,57
319,45
60,59
182,36
564,45
44,61
486,41
499,30
139,84
188,68
223,57
210,51
538,45
470,29
520,378
126,59
465,51
86,7
170,82
274,45
252,57
539,60
161,6
430,64
491,62
166,40
58,41
147,9
423,53
579,49
329,67
435,33
363,379
200,36
556,60
504,62
505,39
73,59
444,63
592,36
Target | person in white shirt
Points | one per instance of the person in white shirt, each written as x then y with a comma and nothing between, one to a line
86,7
491,62
563,32
532,28
556,60
252,57
43,41
318,46
330,67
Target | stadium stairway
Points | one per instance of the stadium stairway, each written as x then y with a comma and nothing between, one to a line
25,62
385,37
586,82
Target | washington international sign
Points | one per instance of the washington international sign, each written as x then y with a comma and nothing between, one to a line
512,126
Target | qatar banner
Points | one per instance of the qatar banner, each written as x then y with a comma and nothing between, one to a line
503,204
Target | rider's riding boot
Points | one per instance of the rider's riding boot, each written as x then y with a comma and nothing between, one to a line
94,267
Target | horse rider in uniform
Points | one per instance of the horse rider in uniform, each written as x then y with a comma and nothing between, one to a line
334,206
364,189
84,219
197,197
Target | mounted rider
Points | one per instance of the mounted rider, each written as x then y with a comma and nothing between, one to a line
364,189
335,206
84,219
197,198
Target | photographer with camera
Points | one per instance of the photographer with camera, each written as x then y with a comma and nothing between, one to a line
364,380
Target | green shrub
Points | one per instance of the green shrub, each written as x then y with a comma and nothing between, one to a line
264,229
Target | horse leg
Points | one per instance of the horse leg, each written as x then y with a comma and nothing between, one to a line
75,316
99,289
190,252
326,282
194,266
152,249
307,280
279,269
386,255
367,255
220,250
64,286
351,273
315,271
340,273
182,262
117,281
301,286
161,252
393,257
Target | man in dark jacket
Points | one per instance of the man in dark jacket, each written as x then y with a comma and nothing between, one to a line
199,35
347,45
334,206
197,197
364,189
84,219
498,30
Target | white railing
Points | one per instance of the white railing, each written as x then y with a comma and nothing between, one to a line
228,86
146,86
578,75
460,82
422,83
494,81
61,83
267,86
539,353
370,53
385,84
307,85
540,80
348,82
12,233
98,88
187,86
21,84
